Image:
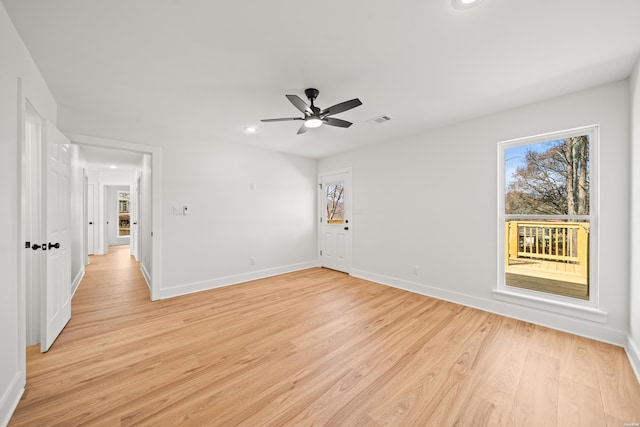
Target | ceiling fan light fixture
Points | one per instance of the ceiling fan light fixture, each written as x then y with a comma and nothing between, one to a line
313,122
314,116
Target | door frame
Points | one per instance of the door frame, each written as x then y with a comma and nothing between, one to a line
155,153
349,202
31,267
91,208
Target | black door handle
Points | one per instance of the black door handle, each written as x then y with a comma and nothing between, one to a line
346,228
35,247
54,245
90,222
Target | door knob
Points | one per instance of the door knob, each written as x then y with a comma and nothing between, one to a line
35,247
90,222
54,245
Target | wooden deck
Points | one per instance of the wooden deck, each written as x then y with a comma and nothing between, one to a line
559,278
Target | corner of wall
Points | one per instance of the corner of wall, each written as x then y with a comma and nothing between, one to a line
633,354
11,397
633,345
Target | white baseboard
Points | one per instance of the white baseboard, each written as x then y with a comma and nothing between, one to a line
189,288
76,281
146,275
584,328
11,397
633,353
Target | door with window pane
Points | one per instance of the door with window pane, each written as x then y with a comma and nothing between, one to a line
335,217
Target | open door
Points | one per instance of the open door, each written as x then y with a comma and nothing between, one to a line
56,188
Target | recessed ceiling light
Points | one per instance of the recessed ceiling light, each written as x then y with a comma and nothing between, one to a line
113,167
250,129
465,4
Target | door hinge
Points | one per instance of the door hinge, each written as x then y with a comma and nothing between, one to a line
320,185
320,220
320,252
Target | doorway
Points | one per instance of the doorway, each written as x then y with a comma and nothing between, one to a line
139,169
118,214
335,231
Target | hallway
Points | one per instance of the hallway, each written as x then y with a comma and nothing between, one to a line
103,322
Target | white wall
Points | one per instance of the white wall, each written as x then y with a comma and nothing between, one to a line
16,63
633,348
443,214
243,203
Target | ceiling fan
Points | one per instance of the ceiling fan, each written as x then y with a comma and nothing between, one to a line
313,116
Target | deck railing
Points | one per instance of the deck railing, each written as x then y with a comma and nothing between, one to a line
550,241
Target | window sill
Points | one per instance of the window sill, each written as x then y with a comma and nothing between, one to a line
559,307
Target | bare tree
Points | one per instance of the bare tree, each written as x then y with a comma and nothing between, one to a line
335,202
552,182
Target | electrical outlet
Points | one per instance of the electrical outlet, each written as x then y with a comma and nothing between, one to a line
252,261
415,270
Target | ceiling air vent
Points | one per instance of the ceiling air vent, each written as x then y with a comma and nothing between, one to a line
379,119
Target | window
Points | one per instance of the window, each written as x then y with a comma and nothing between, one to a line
124,204
547,216
335,202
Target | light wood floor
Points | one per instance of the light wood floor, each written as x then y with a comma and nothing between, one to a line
314,347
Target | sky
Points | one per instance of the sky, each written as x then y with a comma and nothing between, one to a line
515,156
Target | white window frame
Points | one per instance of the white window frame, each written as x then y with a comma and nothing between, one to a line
585,309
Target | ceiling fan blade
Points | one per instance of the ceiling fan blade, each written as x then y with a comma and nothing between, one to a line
299,104
331,121
286,119
302,129
339,108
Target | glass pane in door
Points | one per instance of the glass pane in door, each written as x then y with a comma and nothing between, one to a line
335,202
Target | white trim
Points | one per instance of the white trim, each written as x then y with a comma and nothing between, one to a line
633,353
154,277
20,375
11,397
146,275
189,288
544,303
557,321
76,281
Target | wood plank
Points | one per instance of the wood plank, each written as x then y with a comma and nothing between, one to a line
536,401
314,347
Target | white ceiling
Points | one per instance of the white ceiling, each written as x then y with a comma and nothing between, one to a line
106,159
205,69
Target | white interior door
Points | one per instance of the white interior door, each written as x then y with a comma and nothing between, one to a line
135,218
335,218
56,301
91,227
32,202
